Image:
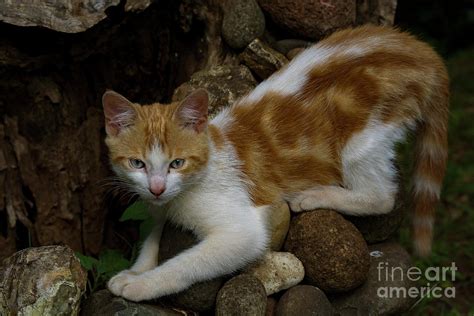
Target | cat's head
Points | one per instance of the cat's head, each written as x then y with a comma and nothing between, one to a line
160,150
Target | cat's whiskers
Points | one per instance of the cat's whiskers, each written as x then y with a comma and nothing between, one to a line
117,187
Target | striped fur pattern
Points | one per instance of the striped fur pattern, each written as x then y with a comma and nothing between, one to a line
319,133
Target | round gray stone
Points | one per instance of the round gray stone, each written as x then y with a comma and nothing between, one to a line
386,261
241,295
304,300
243,22
334,253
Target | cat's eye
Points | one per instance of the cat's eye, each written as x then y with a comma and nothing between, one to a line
136,163
177,163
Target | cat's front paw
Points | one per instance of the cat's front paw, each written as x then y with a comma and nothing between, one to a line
117,282
131,286
138,289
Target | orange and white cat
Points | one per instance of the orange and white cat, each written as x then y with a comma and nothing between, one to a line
320,133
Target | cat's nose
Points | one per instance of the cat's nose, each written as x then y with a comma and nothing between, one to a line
156,185
157,190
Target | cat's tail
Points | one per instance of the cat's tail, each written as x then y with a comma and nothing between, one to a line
430,165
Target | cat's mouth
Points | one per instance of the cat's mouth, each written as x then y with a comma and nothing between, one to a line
159,200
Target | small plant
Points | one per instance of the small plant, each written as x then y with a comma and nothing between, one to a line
138,211
112,261
100,270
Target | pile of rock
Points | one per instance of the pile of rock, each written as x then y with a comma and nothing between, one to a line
326,268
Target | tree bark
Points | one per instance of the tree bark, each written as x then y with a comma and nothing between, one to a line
52,155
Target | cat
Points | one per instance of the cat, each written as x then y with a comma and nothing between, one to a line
319,133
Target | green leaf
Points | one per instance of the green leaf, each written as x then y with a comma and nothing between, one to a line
138,211
86,261
111,262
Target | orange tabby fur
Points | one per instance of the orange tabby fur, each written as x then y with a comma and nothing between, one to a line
273,135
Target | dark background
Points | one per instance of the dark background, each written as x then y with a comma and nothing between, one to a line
449,27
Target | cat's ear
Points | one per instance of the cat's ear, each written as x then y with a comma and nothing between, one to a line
192,112
118,111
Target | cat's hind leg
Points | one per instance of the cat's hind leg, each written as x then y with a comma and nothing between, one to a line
346,201
369,176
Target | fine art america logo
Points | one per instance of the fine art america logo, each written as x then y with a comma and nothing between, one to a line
395,279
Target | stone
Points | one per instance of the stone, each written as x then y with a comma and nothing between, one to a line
333,252
278,223
271,306
42,281
104,303
366,300
286,45
200,297
243,22
136,5
225,85
311,18
241,295
174,240
379,12
262,59
304,300
377,228
69,16
277,271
